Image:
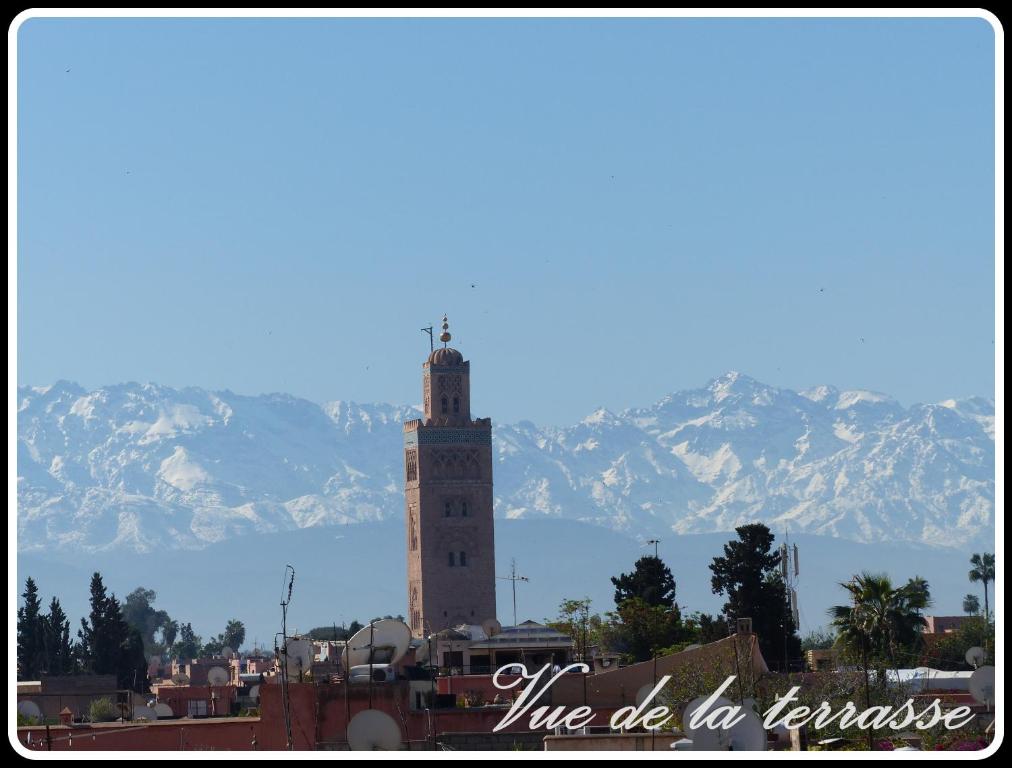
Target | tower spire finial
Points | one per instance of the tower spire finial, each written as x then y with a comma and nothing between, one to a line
445,335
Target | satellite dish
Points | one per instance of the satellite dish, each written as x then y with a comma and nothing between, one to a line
491,627
299,655
975,656
388,639
144,713
982,685
163,710
422,652
748,735
378,673
695,704
227,652
27,708
217,676
254,692
711,740
181,678
372,730
642,693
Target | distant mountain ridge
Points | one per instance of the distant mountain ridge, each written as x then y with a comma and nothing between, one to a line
143,467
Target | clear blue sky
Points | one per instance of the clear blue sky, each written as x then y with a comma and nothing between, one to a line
609,210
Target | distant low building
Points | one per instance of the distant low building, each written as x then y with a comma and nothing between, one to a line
940,625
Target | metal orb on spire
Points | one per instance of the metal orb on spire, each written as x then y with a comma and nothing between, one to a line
445,335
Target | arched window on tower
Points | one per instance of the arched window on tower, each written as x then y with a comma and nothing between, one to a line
452,563
463,558
463,509
447,509
444,404
456,405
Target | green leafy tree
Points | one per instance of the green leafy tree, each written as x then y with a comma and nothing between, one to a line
639,631
31,631
983,572
576,621
971,605
651,581
712,628
189,644
748,575
140,613
948,651
818,640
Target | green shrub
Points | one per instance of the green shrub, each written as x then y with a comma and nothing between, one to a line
102,711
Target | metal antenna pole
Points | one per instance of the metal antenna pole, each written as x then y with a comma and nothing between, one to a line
655,542
514,578
432,343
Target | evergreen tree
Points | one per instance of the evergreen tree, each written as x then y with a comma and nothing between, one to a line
748,575
91,636
31,630
651,581
59,650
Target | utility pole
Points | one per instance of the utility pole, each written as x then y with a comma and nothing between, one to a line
514,578
283,657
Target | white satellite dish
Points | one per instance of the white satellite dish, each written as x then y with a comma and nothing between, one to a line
422,652
163,710
748,735
975,656
145,713
227,652
28,708
982,685
181,678
388,639
299,656
372,730
695,704
254,692
378,673
217,676
491,627
642,693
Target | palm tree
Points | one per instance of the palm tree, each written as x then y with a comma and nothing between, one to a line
881,617
971,605
983,571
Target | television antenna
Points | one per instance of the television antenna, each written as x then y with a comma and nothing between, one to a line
283,662
513,577
655,542
432,343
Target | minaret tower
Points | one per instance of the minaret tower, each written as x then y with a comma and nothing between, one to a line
448,499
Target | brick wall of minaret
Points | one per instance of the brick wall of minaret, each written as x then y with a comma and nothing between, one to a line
448,507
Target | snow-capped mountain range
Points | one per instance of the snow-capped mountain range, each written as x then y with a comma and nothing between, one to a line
146,467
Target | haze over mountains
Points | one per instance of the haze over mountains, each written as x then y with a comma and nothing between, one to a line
141,467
